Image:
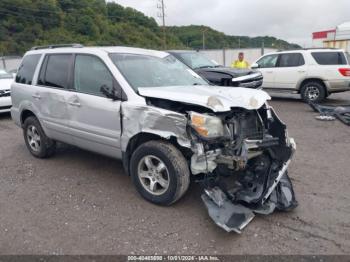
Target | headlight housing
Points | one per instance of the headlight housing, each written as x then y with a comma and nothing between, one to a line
207,126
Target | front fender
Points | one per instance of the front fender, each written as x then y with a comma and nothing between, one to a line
152,120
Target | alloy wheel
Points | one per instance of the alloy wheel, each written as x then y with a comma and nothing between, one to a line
34,139
153,175
312,93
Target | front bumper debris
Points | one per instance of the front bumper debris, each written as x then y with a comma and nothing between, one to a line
330,113
233,209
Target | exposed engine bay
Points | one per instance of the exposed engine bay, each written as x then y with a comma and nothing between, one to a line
254,155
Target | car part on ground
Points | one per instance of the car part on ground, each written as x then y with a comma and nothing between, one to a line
330,112
218,74
164,122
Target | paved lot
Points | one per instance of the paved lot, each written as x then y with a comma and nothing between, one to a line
81,203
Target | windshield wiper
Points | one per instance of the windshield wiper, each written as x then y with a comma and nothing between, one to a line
207,66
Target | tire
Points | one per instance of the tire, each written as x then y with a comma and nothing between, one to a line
166,185
313,92
38,144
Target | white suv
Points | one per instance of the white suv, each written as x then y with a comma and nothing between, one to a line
313,73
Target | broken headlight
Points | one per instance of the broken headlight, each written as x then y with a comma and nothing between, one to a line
207,126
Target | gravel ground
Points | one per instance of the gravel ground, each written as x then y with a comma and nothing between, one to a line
82,203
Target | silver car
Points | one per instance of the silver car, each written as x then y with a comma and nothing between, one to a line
163,121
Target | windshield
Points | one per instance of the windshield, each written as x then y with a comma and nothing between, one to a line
348,57
150,71
196,60
5,75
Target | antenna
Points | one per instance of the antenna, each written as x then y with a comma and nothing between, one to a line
161,14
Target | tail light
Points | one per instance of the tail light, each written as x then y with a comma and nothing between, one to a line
344,71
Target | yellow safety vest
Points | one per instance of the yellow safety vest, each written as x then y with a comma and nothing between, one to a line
240,65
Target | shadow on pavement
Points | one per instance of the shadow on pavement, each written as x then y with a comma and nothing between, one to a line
5,116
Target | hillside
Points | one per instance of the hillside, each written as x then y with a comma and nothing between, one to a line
192,37
25,23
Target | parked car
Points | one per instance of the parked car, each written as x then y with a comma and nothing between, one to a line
162,120
313,73
218,74
6,80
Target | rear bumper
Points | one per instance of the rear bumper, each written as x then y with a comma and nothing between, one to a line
336,86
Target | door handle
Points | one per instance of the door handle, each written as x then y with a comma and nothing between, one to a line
36,96
77,104
301,71
270,72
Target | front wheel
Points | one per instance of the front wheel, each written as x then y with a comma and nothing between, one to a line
160,172
313,92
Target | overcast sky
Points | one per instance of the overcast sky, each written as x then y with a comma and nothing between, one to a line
291,20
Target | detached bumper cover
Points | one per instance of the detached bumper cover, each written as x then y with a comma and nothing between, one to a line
234,209
342,113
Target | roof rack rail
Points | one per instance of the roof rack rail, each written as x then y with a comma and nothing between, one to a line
57,46
310,48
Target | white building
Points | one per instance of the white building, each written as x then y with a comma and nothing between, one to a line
335,38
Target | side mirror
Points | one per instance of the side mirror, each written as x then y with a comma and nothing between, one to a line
255,66
111,92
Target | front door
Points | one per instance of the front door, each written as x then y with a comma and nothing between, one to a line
267,66
95,120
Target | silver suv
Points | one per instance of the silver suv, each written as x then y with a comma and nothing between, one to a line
163,121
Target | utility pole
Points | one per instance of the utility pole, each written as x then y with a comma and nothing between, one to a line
204,31
161,14
263,47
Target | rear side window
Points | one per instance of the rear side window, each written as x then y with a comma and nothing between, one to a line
329,58
291,60
27,68
55,71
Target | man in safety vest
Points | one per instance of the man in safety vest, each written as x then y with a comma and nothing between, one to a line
240,63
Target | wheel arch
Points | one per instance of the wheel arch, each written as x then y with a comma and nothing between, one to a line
312,79
25,114
144,137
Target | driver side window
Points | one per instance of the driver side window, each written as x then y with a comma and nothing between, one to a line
90,74
268,61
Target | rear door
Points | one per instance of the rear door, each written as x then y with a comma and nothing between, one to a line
95,120
290,69
267,66
51,94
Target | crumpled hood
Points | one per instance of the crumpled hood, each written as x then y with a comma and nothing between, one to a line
216,98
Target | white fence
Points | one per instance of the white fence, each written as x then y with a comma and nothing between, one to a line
10,63
227,56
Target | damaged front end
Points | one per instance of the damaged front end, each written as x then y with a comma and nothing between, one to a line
235,145
242,157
